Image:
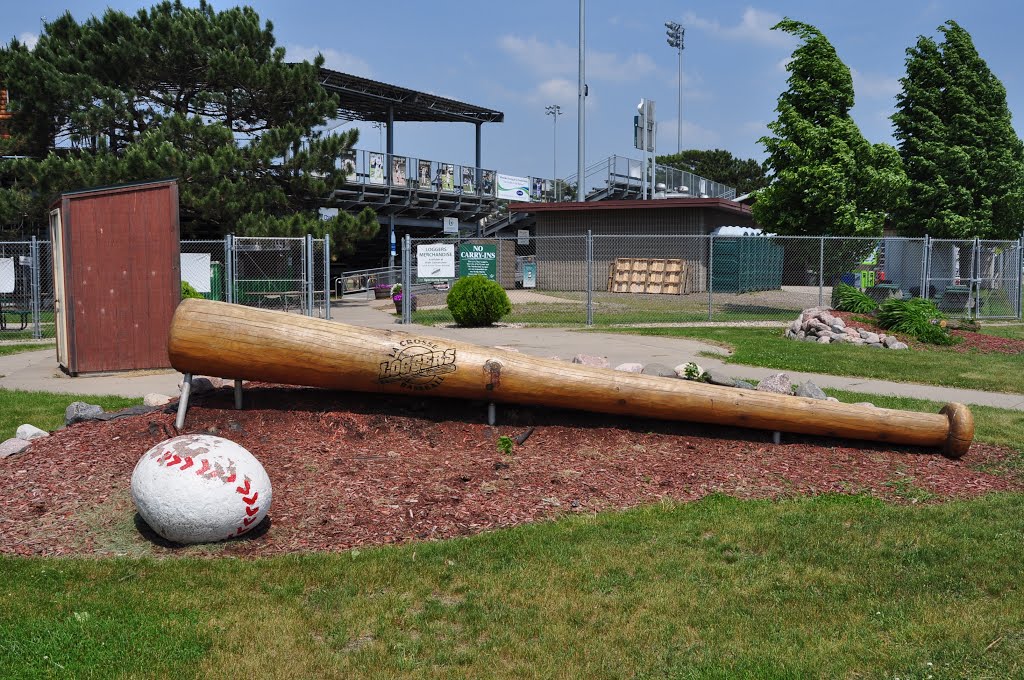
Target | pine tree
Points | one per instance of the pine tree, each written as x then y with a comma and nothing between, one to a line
185,92
964,161
825,177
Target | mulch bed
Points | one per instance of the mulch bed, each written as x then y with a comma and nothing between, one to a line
970,341
356,470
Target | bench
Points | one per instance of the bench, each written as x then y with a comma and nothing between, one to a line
22,314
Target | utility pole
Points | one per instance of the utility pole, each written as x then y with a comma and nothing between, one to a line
675,33
581,132
554,111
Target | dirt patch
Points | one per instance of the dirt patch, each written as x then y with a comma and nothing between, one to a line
354,470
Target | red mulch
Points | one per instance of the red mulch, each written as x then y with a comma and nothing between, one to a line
354,470
970,341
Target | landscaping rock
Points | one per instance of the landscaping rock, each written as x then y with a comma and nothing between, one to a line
630,368
810,390
78,411
815,323
870,338
590,360
744,385
154,399
127,412
831,399
824,339
778,383
698,372
660,370
876,345
30,432
899,345
716,378
889,341
12,447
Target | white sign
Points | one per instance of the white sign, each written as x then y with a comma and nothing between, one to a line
513,188
523,237
6,274
435,261
451,225
195,270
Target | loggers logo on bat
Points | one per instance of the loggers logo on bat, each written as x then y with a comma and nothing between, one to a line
417,365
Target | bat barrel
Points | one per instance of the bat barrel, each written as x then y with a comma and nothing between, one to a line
232,341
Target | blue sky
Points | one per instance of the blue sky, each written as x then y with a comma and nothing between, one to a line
520,57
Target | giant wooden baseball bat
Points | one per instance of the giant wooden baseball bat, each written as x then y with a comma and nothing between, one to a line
232,341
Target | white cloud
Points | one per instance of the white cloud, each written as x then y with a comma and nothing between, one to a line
559,59
755,26
555,91
333,59
28,39
875,86
694,136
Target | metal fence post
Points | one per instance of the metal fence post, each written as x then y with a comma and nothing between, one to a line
711,266
309,275
229,269
926,266
821,271
327,276
589,250
407,279
36,305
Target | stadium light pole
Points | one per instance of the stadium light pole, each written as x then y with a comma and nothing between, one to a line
675,34
554,111
581,131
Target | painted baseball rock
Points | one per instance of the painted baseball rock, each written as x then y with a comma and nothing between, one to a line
198,488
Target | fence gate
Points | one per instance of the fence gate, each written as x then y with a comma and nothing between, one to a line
26,290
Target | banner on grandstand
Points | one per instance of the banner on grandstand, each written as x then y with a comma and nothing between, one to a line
513,188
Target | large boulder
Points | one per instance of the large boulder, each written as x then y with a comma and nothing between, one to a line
13,447
30,432
79,411
810,390
778,383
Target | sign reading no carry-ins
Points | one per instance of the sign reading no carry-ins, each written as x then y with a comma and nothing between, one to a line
478,260
435,262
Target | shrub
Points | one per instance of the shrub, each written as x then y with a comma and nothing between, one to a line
477,301
846,298
917,317
188,291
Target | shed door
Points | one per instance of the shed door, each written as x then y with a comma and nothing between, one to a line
60,316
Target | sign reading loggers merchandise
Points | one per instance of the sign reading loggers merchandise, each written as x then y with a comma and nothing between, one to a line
478,260
435,262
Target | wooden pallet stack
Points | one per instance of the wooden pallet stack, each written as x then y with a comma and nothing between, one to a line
650,275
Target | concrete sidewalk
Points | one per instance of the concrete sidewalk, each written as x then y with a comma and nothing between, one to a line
39,371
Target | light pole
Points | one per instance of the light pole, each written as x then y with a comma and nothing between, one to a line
554,111
380,134
581,125
675,34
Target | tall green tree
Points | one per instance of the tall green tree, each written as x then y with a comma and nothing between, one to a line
185,92
825,177
964,161
719,165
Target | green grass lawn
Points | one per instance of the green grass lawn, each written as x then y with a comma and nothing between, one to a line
812,587
1012,331
45,410
768,348
6,350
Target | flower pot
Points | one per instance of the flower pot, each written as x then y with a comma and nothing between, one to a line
381,293
398,305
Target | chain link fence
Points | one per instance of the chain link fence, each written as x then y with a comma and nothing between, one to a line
291,274
662,279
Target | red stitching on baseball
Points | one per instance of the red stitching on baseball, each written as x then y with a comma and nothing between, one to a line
251,499
244,490
232,477
175,459
252,511
204,469
217,471
248,520
188,463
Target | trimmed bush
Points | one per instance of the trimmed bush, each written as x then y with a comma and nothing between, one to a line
917,317
477,301
846,298
188,291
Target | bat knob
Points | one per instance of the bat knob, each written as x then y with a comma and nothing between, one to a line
961,430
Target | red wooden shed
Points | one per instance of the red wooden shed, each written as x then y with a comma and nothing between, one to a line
117,278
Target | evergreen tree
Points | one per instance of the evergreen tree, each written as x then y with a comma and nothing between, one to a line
720,166
964,161
825,177
185,92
